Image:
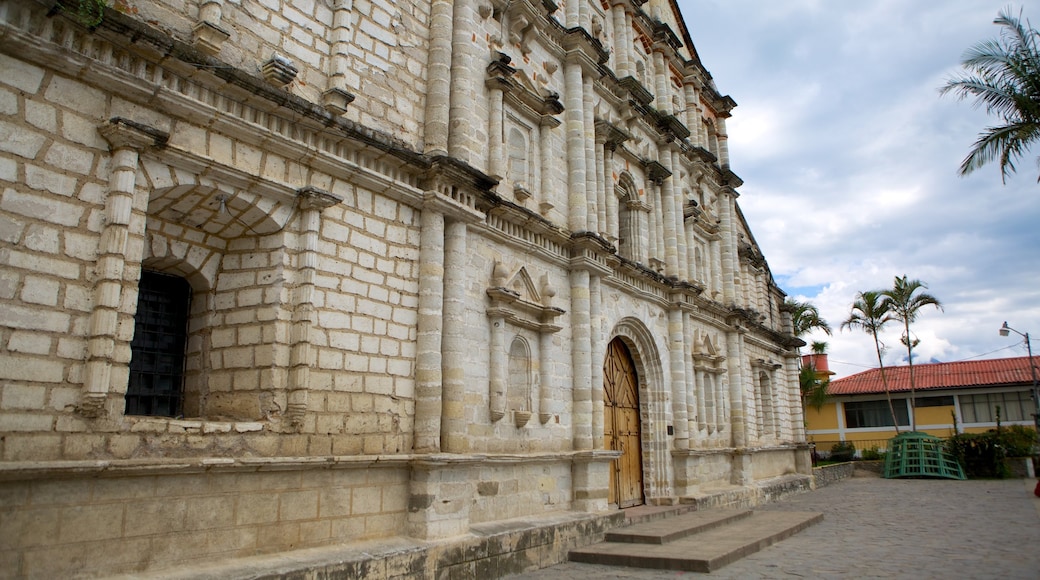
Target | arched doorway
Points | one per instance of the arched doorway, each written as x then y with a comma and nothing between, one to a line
621,425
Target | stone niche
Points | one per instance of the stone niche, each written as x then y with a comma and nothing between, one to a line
520,309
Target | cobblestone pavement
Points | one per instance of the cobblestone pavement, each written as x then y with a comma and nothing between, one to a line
883,528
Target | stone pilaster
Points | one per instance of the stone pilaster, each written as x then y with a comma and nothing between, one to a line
581,360
677,371
312,202
126,140
574,121
465,82
737,411
454,420
497,368
622,39
438,95
598,349
337,97
430,322
692,396
592,188
730,271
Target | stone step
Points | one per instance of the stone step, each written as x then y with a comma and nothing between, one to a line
705,551
670,529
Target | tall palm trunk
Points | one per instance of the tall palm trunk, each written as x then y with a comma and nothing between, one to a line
913,385
884,381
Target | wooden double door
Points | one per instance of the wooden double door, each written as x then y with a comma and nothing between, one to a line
621,425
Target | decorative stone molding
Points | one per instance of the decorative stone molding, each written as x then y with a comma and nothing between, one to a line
279,71
517,301
207,37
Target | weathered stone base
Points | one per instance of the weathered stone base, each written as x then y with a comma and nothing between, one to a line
488,551
764,491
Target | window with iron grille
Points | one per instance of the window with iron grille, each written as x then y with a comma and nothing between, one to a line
160,338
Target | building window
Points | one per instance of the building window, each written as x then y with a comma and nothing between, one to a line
982,408
158,347
862,414
934,401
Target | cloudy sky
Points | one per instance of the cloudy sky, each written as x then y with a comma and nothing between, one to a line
849,157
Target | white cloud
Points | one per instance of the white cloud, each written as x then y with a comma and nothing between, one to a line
849,157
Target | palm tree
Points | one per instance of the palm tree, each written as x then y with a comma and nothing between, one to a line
1003,75
805,318
905,303
870,313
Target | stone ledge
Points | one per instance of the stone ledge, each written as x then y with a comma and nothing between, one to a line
489,551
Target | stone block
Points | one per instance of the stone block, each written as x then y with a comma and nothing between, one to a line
96,522
282,536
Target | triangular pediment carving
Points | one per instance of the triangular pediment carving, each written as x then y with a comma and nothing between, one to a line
515,296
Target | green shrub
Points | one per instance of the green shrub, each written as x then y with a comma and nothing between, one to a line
1018,440
872,454
843,451
980,454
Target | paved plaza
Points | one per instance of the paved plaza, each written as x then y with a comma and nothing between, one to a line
883,528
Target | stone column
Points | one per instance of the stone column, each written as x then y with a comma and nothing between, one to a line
677,367
678,200
465,81
438,86
496,159
693,113
715,247
691,380
610,213
592,187
427,438
794,397
545,157
703,392
656,237
126,141
604,185
454,420
598,350
574,118
735,358
545,386
498,368
301,355
730,273
671,242
662,96
336,97
723,138
622,42
581,360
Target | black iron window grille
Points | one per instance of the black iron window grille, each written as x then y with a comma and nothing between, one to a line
160,339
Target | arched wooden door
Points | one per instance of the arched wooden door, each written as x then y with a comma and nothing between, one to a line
621,425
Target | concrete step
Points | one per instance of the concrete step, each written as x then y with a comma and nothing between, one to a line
648,513
666,530
705,551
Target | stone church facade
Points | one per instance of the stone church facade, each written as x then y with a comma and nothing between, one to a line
416,287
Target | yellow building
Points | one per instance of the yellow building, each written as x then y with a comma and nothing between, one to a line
950,398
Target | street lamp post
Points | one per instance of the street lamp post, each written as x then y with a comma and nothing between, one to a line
1005,331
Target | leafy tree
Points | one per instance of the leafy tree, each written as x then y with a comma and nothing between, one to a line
814,389
904,302
1003,75
870,313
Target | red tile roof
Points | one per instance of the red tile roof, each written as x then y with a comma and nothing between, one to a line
954,375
